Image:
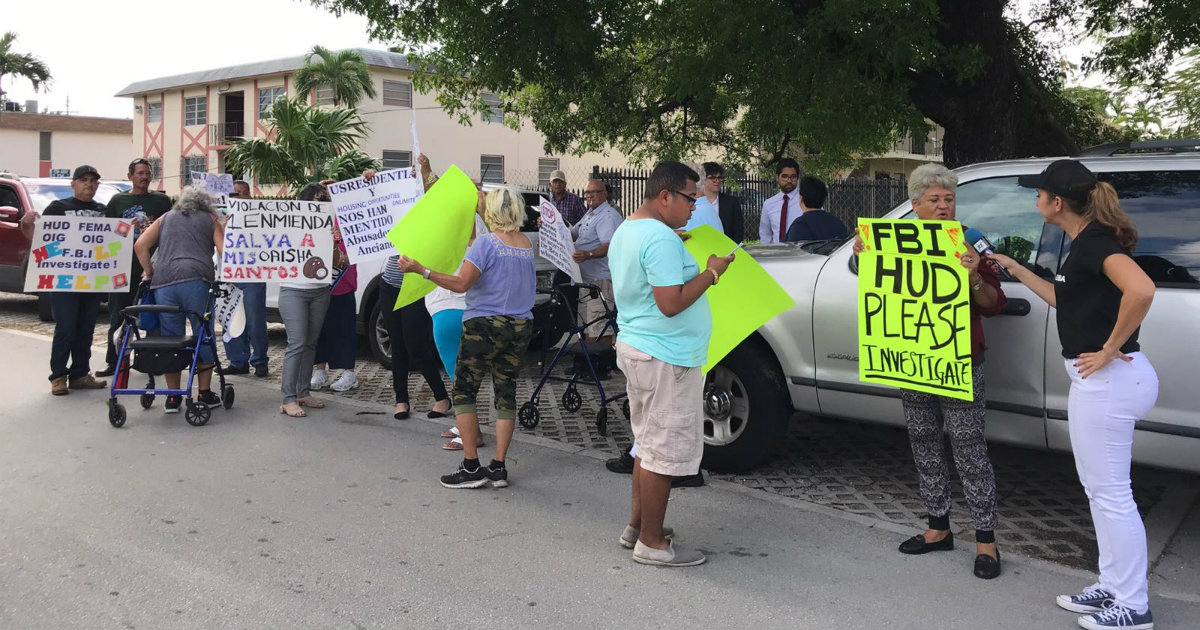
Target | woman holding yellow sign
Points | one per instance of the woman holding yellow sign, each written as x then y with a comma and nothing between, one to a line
931,188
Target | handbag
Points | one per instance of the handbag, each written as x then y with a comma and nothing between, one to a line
148,321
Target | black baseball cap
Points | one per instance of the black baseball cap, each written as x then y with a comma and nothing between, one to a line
1065,178
85,170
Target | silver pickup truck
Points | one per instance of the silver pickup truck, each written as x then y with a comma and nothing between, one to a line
806,359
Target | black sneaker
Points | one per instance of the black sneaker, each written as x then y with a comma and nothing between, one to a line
107,371
173,404
498,476
210,398
236,369
260,370
463,478
622,465
688,481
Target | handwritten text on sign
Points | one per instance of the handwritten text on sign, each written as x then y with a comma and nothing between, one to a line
219,185
285,240
366,210
80,254
914,307
554,241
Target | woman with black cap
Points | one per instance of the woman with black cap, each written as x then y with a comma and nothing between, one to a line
1101,296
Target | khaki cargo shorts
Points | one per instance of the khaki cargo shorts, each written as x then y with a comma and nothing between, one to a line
666,412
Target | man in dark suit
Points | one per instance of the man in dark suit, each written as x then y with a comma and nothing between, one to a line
728,208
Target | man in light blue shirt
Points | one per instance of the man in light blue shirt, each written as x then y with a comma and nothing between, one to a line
592,234
665,325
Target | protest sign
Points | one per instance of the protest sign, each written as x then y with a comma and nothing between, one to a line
746,298
278,240
413,128
219,185
555,243
914,307
367,210
80,254
435,232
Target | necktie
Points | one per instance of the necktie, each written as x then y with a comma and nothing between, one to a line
783,224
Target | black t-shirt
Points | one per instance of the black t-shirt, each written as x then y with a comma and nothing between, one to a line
72,207
127,205
1087,300
815,225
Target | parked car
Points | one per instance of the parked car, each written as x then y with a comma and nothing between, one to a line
806,359
19,195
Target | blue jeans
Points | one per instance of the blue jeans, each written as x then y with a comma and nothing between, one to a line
238,349
74,323
191,296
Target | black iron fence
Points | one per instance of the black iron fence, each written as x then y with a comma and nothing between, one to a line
848,200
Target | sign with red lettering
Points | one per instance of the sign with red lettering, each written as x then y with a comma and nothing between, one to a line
278,240
80,254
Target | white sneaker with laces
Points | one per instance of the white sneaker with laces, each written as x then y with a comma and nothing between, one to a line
346,382
320,378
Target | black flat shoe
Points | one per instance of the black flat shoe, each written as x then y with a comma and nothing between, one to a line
916,545
987,567
434,413
400,415
108,371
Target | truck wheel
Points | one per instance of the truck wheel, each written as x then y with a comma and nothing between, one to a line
746,409
378,338
45,313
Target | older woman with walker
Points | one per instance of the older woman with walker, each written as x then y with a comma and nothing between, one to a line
1101,297
931,188
499,279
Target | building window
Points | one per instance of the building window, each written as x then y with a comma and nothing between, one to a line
267,98
495,112
195,111
545,167
323,96
155,168
397,94
154,112
396,159
189,163
44,142
491,169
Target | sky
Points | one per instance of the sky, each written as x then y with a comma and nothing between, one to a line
95,49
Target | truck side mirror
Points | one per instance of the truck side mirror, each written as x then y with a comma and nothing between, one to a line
9,213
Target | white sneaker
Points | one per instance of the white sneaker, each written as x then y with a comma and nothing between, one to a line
320,378
346,382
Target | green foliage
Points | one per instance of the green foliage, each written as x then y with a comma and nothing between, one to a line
343,71
305,143
21,64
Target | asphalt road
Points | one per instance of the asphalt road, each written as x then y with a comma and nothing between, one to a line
337,521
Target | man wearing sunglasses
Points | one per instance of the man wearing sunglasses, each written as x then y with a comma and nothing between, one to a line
779,211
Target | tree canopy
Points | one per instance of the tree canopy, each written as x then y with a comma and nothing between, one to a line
343,72
21,64
822,80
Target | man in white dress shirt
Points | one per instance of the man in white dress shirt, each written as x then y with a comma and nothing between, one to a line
779,211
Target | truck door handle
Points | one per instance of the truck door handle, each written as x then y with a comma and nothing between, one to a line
1016,306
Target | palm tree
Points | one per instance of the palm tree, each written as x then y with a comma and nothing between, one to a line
21,64
344,71
310,143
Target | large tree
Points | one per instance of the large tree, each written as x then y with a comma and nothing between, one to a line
21,64
344,72
762,79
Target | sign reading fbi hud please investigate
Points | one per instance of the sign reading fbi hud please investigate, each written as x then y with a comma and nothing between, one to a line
278,240
80,254
914,309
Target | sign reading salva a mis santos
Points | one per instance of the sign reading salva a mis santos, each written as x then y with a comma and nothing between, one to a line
285,240
80,254
914,307
367,210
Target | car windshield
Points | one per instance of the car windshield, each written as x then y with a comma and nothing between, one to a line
42,194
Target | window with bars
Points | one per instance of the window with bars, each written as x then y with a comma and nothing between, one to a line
155,168
154,112
397,94
495,113
323,96
396,159
491,169
545,167
267,98
189,163
195,110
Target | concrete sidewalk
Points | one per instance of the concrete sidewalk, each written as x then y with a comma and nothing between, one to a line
337,520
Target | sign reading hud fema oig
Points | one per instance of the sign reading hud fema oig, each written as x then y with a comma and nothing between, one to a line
914,307
278,240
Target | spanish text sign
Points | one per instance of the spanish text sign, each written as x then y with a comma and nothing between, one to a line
914,307
278,240
367,210
80,254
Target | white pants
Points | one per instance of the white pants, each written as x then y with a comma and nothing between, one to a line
1102,410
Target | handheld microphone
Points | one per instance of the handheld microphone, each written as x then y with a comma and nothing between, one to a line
983,246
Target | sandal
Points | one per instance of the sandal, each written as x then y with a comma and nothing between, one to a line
311,402
294,412
457,444
452,432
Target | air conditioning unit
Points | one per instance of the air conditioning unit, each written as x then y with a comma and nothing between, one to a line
31,107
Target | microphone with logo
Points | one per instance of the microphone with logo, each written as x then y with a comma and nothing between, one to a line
983,246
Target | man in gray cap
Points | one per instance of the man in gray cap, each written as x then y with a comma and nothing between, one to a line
569,205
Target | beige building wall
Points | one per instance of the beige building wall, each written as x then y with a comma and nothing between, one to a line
74,140
109,153
19,151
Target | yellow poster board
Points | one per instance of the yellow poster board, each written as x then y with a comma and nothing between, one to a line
746,298
914,307
435,231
